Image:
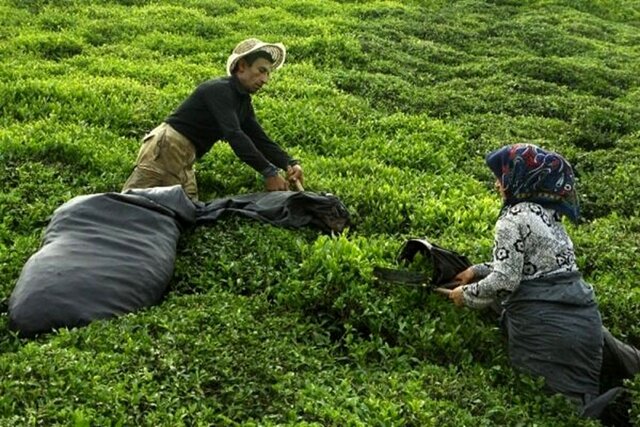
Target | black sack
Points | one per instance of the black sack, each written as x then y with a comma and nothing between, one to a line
101,256
446,263
294,209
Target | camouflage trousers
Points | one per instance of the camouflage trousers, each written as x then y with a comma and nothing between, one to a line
166,158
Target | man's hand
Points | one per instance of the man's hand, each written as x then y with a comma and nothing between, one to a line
276,183
295,173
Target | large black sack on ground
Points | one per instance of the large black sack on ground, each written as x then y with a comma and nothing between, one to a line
101,256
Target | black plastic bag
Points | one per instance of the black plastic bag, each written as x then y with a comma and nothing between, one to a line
446,263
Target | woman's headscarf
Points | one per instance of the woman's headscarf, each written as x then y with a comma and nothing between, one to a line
529,173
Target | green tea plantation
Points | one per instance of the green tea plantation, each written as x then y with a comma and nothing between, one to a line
391,106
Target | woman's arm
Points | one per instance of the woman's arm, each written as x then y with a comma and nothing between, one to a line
506,269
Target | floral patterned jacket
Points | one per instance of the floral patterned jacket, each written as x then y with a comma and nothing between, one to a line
530,243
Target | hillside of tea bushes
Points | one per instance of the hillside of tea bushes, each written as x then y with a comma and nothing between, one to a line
390,105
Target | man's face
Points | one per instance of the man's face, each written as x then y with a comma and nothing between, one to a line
253,77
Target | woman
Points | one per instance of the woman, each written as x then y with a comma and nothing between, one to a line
549,312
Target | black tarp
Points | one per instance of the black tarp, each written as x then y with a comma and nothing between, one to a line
282,208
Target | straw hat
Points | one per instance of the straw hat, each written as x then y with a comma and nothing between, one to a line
245,47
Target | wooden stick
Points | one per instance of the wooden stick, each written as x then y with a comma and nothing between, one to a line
298,185
443,291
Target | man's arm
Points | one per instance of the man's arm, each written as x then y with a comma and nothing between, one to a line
272,151
222,104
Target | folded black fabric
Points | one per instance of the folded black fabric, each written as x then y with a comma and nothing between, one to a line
282,208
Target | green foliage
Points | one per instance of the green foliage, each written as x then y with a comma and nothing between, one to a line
50,46
612,182
391,106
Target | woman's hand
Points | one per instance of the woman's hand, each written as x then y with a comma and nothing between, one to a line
465,277
457,296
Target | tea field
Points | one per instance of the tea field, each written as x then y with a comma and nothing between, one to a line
390,105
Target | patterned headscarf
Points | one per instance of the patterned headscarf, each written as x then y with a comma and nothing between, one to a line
529,173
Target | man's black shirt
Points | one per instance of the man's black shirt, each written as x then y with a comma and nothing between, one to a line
221,109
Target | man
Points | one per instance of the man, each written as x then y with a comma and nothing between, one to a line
218,109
